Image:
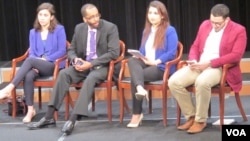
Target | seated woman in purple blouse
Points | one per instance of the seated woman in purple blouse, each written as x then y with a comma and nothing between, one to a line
47,42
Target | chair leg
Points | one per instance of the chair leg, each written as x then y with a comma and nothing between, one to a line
222,103
178,114
126,105
93,102
164,107
71,102
66,101
209,110
14,106
238,101
109,103
56,115
150,101
40,97
122,99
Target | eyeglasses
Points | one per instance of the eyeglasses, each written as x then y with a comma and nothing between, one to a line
218,23
93,17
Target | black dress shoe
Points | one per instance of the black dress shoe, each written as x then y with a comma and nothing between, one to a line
42,123
68,127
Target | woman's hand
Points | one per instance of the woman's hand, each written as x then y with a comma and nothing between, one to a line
36,70
150,62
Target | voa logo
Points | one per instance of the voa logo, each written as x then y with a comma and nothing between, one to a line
236,132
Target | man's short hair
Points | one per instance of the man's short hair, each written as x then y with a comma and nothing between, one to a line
86,6
220,10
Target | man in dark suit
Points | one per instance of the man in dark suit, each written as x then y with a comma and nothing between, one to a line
89,55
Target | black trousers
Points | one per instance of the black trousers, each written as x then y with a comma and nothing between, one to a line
28,75
140,73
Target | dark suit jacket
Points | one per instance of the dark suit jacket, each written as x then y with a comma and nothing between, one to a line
107,46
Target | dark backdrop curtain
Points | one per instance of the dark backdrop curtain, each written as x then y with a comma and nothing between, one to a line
17,17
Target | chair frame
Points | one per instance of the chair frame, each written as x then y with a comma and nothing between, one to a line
108,84
162,85
39,82
219,89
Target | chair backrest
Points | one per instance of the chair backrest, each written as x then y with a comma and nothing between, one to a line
122,48
122,52
179,51
174,61
244,65
67,44
112,63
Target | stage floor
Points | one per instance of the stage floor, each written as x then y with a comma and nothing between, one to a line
98,129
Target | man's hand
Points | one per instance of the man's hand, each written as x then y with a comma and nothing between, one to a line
190,62
81,65
199,66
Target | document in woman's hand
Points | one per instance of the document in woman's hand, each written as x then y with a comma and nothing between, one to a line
136,53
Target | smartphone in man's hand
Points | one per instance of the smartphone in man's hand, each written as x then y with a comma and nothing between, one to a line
79,62
190,62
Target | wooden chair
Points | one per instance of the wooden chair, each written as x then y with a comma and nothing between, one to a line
47,81
161,85
108,84
221,89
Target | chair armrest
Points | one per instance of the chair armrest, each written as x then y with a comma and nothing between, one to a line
67,63
122,70
57,66
15,61
181,64
227,66
167,69
119,59
172,62
21,58
113,62
225,69
112,67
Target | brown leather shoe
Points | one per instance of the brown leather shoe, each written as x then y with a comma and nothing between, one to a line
186,125
197,127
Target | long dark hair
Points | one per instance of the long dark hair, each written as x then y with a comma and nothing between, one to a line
160,33
53,22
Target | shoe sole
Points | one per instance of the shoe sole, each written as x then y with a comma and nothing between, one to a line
196,131
140,96
45,126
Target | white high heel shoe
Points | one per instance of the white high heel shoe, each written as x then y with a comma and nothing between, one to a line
26,119
4,95
141,95
134,125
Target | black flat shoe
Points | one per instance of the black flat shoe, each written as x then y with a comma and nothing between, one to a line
68,127
42,124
